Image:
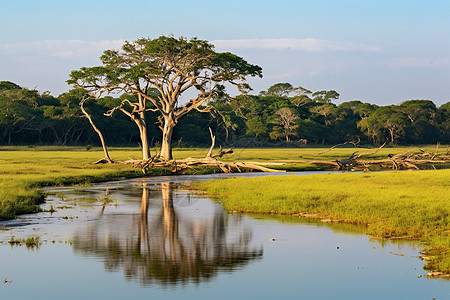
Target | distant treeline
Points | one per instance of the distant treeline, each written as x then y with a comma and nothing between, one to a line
281,116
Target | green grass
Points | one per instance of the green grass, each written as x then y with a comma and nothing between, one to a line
24,169
409,205
296,159
31,242
281,154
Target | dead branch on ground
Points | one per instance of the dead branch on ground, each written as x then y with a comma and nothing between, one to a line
408,160
209,161
355,144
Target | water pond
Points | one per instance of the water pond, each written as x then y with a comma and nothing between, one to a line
153,238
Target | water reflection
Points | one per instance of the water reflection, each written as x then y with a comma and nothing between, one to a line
168,244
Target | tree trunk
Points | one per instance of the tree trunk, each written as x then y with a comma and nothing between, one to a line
40,136
166,146
226,135
99,133
144,140
213,143
392,134
142,125
80,133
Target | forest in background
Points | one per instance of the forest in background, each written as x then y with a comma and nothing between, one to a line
283,116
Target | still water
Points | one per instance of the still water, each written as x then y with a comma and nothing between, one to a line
153,238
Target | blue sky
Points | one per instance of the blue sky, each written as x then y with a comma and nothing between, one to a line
382,52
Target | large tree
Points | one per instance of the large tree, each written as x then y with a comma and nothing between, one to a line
385,122
172,66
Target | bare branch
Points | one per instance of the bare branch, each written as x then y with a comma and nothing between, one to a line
355,144
435,152
374,152
213,142
100,134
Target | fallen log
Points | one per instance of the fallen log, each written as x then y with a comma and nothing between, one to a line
405,160
256,167
210,160
225,166
222,152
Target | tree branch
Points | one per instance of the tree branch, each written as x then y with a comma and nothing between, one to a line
355,144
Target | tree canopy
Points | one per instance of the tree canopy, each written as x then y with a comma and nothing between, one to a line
28,117
170,66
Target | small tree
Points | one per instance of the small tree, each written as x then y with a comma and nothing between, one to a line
173,66
286,120
278,89
325,96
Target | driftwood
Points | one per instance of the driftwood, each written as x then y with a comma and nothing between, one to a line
407,160
178,165
355,144
209,161
213,143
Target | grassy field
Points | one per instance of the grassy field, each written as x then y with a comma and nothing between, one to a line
407,204
24,169
22,172
285,154
295,159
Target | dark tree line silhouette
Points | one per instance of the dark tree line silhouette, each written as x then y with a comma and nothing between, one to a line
281,116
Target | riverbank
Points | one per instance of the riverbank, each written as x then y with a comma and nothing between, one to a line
403,204
24,169
406,205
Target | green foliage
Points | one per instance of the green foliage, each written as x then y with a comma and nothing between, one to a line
278,89
30,118
31,242
385,123
154,73
325,96
8,85
256,126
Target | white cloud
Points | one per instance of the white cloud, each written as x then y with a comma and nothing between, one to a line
79,48
60,48
415,62
283,75
310,45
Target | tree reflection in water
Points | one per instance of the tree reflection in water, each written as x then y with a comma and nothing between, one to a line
167,245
